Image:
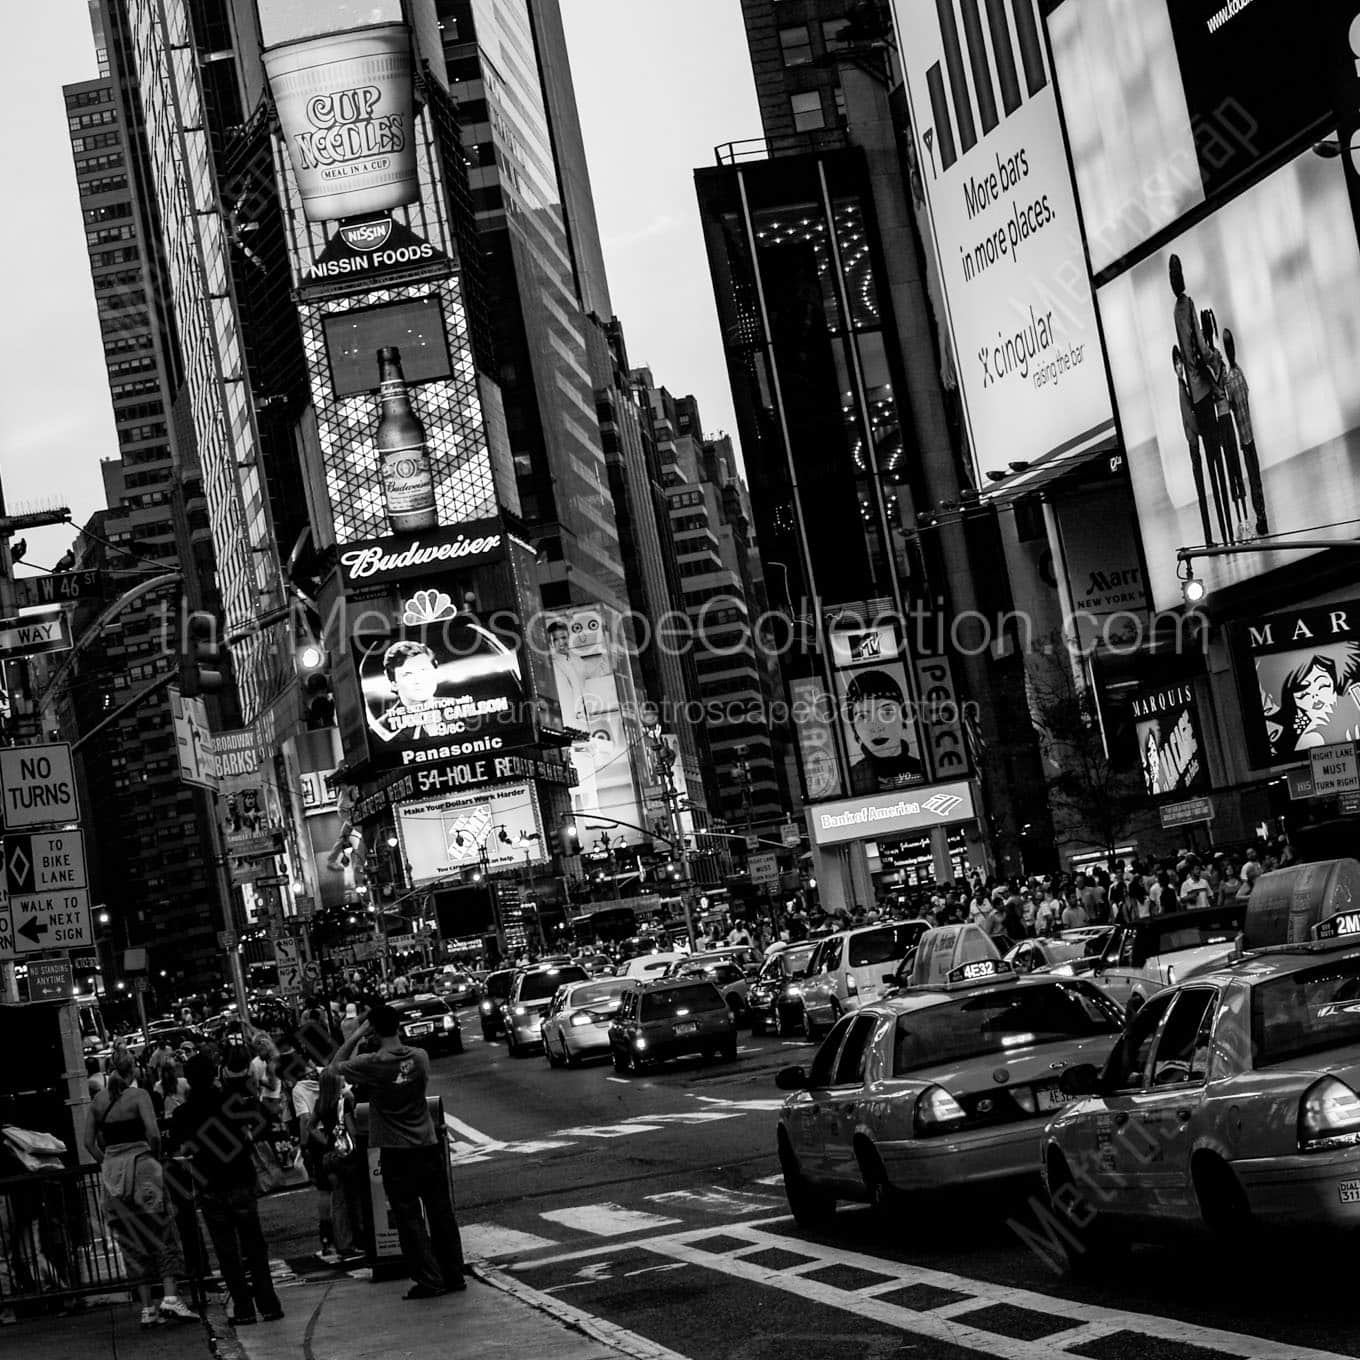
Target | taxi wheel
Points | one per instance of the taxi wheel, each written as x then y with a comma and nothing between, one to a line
810,1207
1222,1201
634,1063
728,1051
809,1029
620,1062
554,1059
1086,1242
882,1198
783,1024
568,1057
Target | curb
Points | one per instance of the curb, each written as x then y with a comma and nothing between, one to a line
222,1339
607,1333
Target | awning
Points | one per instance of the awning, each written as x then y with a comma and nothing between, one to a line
1067,458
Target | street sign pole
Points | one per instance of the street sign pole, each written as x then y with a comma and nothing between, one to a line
226,897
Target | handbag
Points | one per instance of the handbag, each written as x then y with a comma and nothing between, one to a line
269,1174
339,1156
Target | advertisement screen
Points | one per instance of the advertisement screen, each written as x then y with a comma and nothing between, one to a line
496,828
595,688
999,192
414,325
1170,747
812,713
1264,440
248,803
1168,104
876,709
440,684
1300,682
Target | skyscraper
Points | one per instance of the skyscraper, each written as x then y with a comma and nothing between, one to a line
509,72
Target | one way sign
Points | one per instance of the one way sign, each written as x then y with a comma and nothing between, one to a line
44,861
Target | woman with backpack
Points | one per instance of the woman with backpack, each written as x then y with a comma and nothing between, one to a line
331,1155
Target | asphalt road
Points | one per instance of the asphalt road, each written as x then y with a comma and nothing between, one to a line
654,1203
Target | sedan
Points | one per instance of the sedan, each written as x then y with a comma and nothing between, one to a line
943,1084
774,1001
1232,1101
577,1023
429,1023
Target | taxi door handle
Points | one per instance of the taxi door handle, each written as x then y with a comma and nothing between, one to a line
1120,1120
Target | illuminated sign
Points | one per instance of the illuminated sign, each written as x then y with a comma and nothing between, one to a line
372,561
888,816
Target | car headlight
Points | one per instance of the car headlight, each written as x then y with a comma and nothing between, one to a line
521,1010
581,1018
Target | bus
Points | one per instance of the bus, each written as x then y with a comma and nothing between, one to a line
610,924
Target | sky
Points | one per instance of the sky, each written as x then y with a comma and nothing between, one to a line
659,85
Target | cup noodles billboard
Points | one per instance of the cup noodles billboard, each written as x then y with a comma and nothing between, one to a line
994,172
345,110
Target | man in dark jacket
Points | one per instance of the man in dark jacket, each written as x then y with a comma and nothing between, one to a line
213,1131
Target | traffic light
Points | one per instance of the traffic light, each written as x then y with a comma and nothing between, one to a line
570,837
200,663
314,670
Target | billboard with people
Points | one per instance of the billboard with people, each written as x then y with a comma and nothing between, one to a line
1233,351
599,703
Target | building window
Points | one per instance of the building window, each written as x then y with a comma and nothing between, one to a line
831,31
839,96
807,111
796,45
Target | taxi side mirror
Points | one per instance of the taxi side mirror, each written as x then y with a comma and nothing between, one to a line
1081,1080
791,1079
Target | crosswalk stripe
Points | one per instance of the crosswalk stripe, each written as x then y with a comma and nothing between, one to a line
607,1220
491,1242
466,1131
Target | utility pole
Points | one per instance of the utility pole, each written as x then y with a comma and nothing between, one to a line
665,765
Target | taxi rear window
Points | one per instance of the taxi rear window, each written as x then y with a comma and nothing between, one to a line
999,1021
540,986
669,1002
1306,1012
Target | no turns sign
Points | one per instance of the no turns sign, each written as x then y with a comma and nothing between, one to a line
38,785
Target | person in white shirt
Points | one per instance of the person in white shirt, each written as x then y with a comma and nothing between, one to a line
1195,889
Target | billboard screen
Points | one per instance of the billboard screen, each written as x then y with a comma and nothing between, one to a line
248,804
492,829
1170,744
439,683
999,193
1300,682
1168,105
595,688
812,714
1221,452
876,709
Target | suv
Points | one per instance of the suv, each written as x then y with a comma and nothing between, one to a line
774,1002
1141,958
665,1017
723,972
531,993
494,992
854,966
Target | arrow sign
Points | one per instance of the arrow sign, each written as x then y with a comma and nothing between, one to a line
33,930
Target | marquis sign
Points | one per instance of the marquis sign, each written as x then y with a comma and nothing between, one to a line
376,560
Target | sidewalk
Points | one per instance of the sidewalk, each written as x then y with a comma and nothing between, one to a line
496,1318
104,1332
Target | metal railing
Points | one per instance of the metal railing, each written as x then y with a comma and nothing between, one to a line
786,144
56,1242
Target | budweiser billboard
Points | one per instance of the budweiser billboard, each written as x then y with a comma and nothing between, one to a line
374,561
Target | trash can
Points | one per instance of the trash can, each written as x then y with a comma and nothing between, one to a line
380,1232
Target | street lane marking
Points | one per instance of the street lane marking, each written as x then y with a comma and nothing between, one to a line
937,1322
607,1130
760,1104
489,1241
776,1179
622,1081
715,1200
466,1131
607,1220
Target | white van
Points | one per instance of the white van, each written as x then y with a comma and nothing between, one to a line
852,967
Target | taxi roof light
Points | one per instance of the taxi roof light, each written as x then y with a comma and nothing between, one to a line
1329,1115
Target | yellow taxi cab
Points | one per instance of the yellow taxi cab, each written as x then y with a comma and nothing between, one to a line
1233,1098
944,1082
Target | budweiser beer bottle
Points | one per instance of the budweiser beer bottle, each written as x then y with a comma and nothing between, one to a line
408,484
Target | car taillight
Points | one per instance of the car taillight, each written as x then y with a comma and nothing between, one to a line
1329,1116
488,1006
448,1022
581,1018
937,1111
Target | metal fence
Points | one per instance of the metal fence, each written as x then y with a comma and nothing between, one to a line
56,1243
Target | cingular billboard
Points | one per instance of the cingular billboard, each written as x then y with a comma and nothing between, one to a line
345,109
